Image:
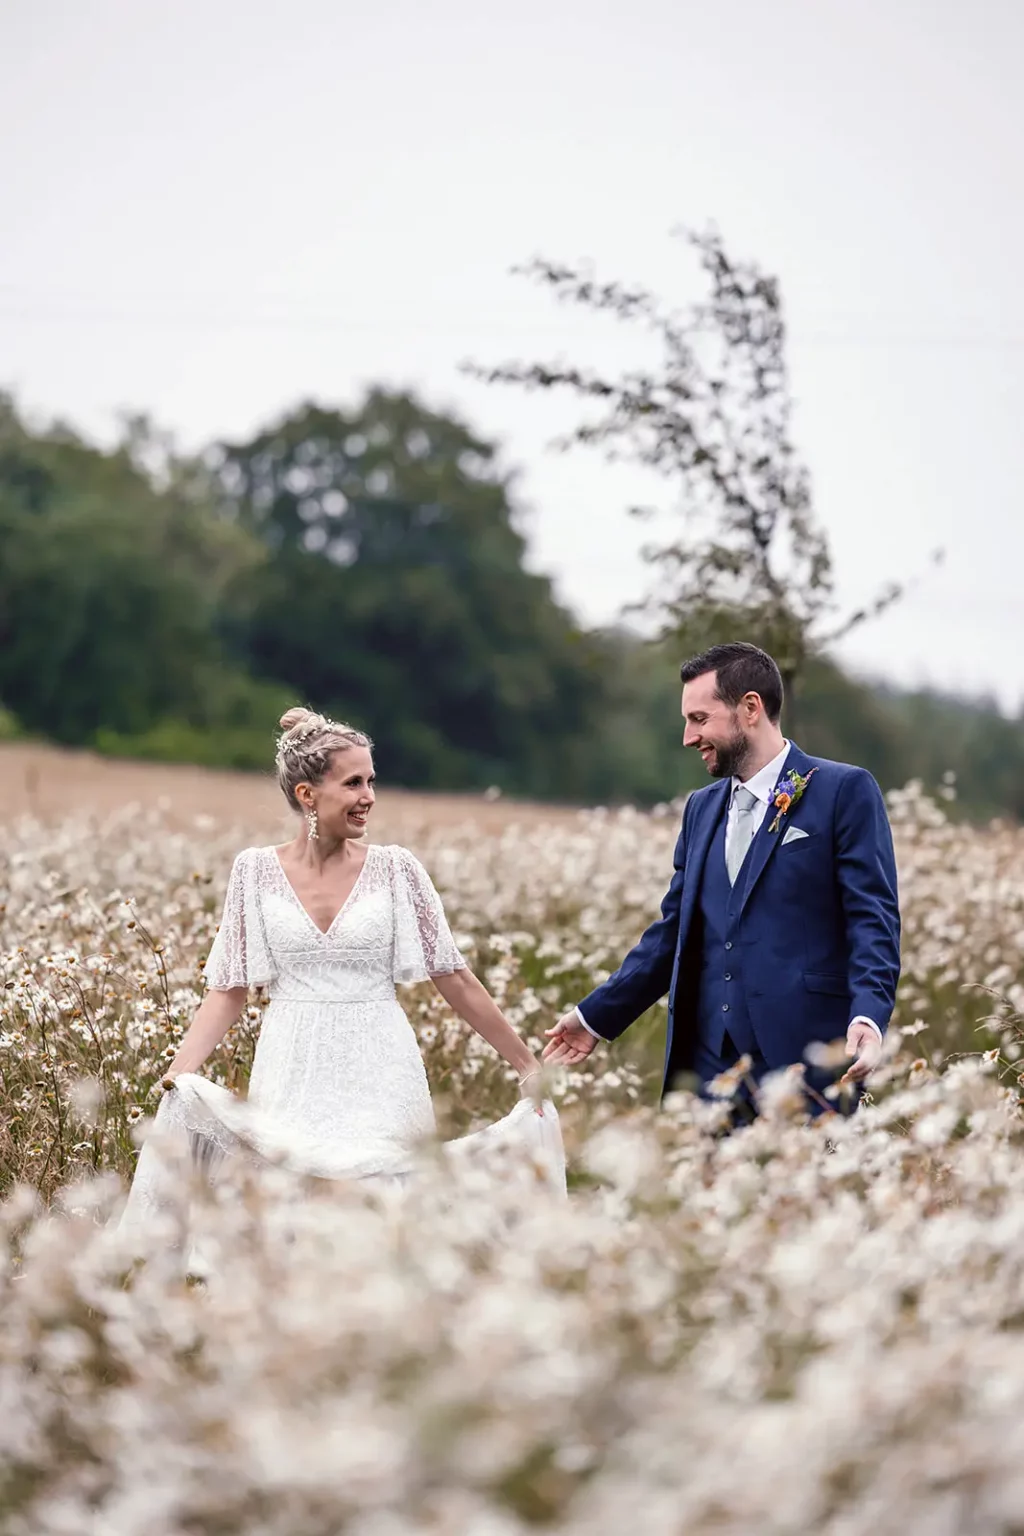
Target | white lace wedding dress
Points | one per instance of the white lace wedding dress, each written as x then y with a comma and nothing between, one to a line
338,1088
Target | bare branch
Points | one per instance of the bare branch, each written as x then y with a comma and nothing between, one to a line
715,420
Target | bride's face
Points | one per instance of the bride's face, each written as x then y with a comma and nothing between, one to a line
344,797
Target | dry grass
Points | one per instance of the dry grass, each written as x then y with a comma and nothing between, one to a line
51,783
794,1330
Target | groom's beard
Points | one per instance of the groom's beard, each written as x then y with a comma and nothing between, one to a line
730,758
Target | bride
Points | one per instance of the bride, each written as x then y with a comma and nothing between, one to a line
329,923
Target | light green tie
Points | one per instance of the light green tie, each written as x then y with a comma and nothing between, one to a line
741,832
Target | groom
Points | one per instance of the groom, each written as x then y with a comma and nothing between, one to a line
781,926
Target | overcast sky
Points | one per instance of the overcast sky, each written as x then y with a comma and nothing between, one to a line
213,209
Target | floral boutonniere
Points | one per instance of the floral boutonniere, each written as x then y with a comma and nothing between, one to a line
787,792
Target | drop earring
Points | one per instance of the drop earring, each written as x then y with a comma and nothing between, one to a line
311,826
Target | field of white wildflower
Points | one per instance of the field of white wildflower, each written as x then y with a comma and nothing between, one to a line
793,1329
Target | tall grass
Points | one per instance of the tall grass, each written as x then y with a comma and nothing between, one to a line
793,1329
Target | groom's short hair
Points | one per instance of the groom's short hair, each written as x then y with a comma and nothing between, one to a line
739,669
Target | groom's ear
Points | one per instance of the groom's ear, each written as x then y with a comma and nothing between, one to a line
751,707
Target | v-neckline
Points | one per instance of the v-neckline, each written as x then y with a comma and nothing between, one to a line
324,933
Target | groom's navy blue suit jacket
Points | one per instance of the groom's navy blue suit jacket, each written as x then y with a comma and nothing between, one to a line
814,940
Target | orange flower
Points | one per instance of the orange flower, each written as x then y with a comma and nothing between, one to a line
787,793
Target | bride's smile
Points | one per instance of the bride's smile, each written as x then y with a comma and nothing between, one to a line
337,806
331,924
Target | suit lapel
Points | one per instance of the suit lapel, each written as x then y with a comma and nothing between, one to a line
716,800
765,843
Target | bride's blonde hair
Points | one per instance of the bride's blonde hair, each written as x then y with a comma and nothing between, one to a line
305,747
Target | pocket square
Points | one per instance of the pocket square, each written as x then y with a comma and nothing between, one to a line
792,833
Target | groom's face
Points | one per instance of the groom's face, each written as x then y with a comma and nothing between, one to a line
713,727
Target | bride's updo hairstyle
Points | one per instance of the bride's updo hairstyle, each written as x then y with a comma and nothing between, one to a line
305,747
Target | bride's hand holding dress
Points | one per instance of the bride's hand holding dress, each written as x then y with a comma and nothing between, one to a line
338,1087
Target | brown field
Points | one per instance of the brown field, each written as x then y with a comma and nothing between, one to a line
51,782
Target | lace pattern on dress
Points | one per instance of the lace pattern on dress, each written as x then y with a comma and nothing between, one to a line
338,1087
240,956
424,945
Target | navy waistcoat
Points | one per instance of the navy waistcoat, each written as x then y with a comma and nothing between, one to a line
721,999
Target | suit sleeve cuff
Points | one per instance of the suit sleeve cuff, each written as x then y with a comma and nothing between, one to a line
861,1018
587,1027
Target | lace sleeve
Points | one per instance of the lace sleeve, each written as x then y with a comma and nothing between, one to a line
424,946
240,956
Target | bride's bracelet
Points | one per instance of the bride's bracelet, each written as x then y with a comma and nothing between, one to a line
535,1072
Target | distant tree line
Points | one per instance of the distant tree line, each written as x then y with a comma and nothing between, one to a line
371,562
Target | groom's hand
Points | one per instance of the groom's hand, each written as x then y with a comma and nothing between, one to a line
568,1043
863,1044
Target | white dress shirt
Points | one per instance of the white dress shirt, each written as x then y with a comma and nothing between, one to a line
761,784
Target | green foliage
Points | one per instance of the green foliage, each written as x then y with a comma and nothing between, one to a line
638,739
370,562
232,726
397,594
88,608
111,589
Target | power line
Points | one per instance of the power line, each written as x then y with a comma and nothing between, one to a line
224,317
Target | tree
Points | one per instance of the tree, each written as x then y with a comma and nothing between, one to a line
396,593
110,590
715,418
